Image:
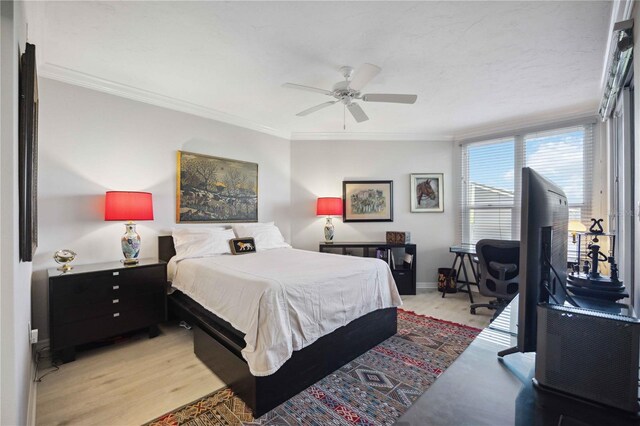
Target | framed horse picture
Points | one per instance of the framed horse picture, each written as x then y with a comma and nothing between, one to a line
427,193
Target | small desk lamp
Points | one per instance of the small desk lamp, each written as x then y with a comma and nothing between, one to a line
329,206
129,206
576,226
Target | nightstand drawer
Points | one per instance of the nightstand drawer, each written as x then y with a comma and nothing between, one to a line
105,286
142,280
112,324
118,302
82,290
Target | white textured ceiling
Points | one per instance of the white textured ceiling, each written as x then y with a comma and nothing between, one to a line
471,64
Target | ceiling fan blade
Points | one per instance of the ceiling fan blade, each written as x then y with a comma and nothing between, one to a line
307,88
357,113
390,97
363,75
315,108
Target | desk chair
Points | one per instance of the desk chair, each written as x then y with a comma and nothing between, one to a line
498,262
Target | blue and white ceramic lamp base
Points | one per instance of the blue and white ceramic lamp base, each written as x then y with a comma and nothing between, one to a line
328,231
130,244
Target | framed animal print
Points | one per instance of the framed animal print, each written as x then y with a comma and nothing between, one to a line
367,201
213,189
242,245
427,193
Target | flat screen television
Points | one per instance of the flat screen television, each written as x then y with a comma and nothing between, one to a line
543,253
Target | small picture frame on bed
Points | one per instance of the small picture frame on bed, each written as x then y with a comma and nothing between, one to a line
367,201
242,245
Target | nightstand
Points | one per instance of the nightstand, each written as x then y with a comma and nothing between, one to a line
93,302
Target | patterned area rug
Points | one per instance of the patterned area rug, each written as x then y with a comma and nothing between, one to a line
374,389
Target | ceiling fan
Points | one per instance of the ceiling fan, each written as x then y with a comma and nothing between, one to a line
348,91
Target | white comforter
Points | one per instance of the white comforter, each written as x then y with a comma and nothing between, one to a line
285,299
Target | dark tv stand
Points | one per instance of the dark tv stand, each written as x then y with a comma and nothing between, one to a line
509,351
514,399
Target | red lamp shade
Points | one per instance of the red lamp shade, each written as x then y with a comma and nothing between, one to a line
329,206
127,205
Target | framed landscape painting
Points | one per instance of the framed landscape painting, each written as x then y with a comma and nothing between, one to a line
213,189
427,193
367,201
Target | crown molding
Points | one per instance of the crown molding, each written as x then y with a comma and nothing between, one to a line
77,78
369,136
66,75
498,129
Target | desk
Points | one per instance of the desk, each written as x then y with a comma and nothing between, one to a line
477,389
460,252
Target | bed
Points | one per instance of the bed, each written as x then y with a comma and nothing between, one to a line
261,376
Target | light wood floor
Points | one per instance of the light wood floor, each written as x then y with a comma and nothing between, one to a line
454,307
128,383
138,380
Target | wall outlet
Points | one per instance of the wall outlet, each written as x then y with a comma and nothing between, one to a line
33,336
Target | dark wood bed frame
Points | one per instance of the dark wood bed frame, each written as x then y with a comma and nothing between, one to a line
218,345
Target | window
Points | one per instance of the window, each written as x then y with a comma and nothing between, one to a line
490,178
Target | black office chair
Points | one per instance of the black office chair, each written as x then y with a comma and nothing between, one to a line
499,270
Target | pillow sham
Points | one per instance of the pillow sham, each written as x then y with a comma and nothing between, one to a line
267,236
201,242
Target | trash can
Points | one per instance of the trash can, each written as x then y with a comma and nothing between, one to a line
447,280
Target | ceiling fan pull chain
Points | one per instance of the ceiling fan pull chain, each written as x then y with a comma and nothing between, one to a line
344,117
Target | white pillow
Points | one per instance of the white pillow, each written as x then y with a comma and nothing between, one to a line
201,242
266,236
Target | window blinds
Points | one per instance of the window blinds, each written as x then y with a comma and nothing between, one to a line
490,184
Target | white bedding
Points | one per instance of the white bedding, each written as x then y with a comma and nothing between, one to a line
285,299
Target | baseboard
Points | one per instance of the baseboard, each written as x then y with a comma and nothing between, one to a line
31,407
427,285
33,384
42,344
434,285
33,390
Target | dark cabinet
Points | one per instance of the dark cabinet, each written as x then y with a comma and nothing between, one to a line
404,273
93,302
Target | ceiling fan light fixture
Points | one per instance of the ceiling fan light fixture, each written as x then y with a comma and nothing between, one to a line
349,89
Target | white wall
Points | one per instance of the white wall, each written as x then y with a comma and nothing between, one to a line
319,167
15,283
635,210
91,142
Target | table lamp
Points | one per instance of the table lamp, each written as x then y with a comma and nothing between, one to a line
329,206
129,206
576,226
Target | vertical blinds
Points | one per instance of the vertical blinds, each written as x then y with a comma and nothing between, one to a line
490,184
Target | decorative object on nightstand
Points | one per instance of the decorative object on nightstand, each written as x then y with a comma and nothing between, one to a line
64,257
129,206
329,206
